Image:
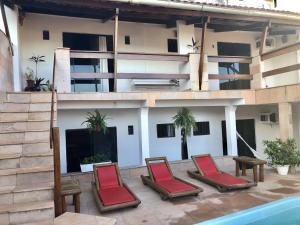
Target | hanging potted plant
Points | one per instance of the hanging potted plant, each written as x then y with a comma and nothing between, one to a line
278,155
184,120
97,124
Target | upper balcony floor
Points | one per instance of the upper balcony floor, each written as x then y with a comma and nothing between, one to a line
145,50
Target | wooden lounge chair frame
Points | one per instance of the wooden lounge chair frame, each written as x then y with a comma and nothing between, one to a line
149,180
95,187
199,175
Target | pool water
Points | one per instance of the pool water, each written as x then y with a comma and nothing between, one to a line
282,212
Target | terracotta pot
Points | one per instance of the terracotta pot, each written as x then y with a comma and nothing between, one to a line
30,83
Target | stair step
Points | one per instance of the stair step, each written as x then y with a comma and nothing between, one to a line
44,222
29,212
24,126
25,116
27,97
26,150
24,137
8,107
15,171
26,188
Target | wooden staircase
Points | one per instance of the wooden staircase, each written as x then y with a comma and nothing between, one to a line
26,160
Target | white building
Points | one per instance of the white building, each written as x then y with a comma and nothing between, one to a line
155,73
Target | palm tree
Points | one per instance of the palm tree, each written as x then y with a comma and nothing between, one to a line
184,120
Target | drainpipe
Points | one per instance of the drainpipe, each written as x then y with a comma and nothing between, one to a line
215,9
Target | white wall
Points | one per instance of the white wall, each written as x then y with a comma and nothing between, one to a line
262,131
171,147
128,145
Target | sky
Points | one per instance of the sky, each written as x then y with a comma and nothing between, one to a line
290,5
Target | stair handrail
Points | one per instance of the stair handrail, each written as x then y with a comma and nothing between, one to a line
53,90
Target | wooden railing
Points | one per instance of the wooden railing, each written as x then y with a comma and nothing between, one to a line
279,52
229,59
52,102
129,56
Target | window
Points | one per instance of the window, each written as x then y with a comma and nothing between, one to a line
172,45
202,128
46,35
130,130
165,130
127,40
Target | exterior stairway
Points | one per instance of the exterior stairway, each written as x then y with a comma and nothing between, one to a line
26,160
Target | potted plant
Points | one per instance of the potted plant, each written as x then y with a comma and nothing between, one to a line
96,122
87,163
194,46
29,77
278,153
184,120
294,154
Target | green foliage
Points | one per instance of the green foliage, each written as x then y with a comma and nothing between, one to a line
195,45
185,120
47,86
281,153
37,59
96,122
98,158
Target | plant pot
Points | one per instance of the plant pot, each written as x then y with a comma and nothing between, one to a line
283,170
86,167
292,169
30,85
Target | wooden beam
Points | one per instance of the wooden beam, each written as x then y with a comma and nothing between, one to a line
92,75
148,76
285,69
263,39
230,77
282,32
202,50
57,172
116,34
256,26
281,51
91,55
6,26
230,59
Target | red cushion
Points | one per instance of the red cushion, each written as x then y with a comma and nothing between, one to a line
226,179
175,186
107,176
114,196
160,172
206,164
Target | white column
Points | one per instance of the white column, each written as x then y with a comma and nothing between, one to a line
231,130
144,134
185,33
63,70
285,120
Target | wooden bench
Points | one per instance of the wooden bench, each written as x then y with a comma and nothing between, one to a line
70,187
245,160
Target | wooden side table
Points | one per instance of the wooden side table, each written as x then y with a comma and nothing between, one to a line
245,160
71,187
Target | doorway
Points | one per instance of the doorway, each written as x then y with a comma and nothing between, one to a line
234,49
246,128
81,143
90,42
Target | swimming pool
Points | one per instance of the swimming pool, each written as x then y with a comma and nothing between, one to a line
281,212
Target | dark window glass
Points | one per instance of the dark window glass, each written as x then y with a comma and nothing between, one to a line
130,130
165,130
172,45
46,35
202,128
127,40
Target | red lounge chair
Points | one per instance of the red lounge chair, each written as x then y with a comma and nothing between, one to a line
162,180
208,172
109,190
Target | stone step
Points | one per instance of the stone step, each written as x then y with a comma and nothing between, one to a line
25,107
11,161
24,126
26,117
26,97
24,137
27,150
29,212
26,193
45,222
26,176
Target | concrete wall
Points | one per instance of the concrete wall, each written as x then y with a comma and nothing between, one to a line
6,68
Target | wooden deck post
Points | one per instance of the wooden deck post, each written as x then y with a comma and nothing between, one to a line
116,49
57,175
202,50
264,38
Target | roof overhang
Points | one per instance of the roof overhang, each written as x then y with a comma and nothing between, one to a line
223,18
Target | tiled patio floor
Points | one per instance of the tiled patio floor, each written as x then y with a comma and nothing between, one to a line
191,210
